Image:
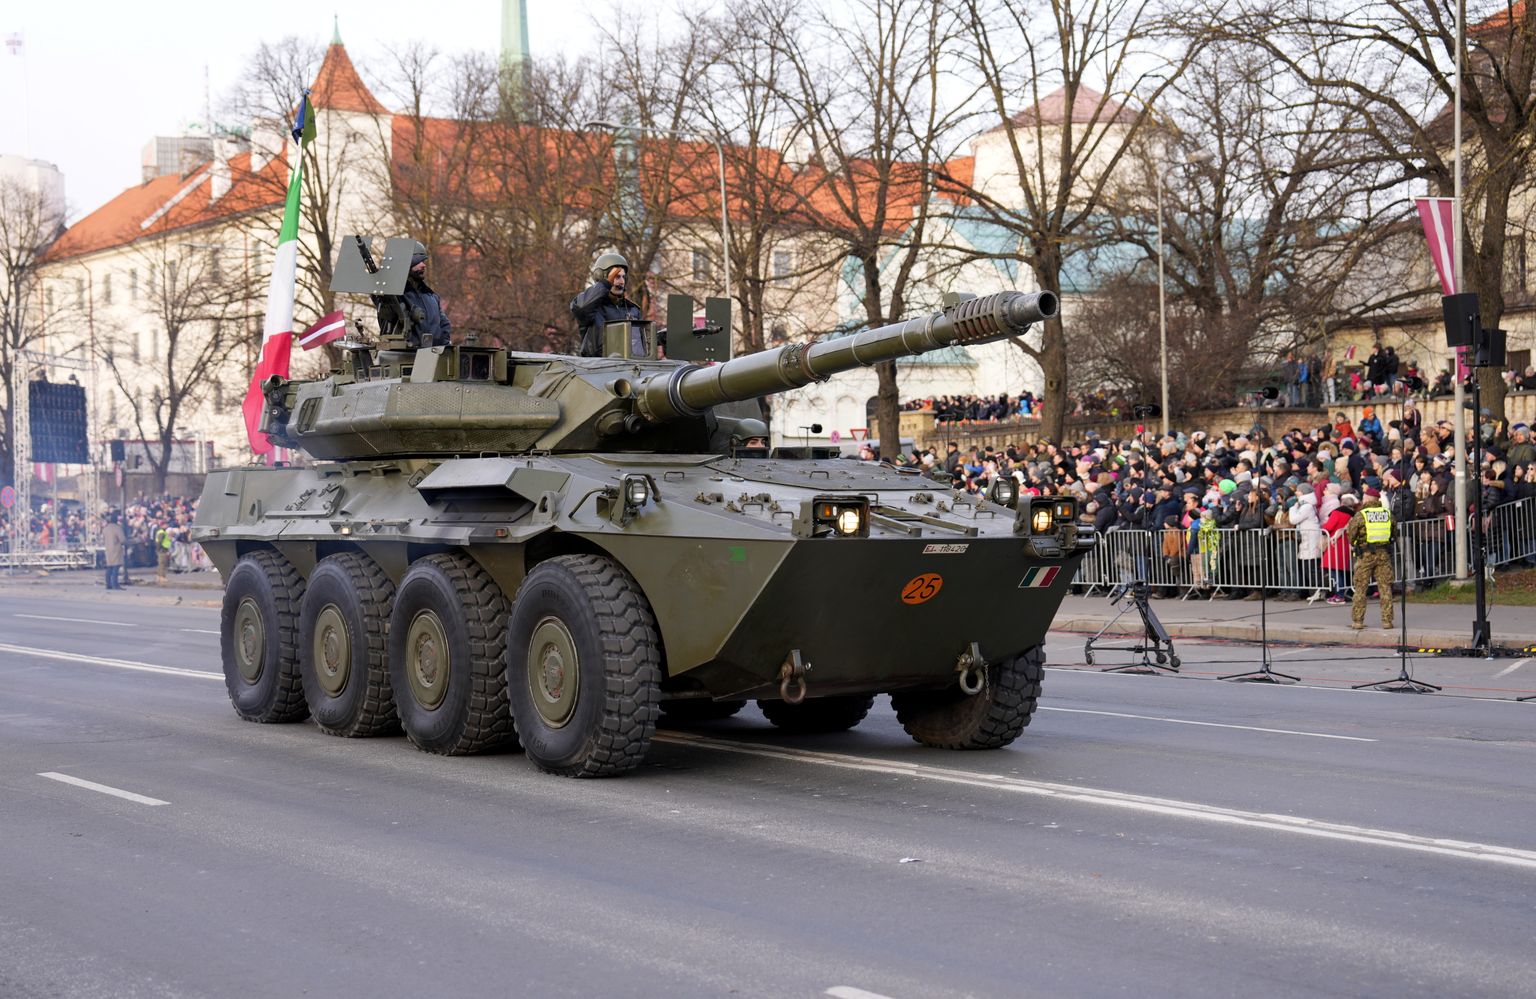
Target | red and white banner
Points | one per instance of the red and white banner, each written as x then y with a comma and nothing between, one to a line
1439,218
42,471
331,326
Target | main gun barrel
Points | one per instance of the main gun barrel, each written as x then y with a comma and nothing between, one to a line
689,391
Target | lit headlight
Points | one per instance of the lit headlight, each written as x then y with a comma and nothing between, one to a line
838,516
1040,520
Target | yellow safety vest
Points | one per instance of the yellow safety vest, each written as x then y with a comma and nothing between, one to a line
1378,526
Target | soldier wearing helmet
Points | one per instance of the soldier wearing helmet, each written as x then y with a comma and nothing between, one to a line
416,313
603,303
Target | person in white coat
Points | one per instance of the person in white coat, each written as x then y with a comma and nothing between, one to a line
1309,543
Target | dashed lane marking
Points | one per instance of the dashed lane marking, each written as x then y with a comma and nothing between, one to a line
115,792
77,620
199,631
1189,721
1170,807
128,664
849,992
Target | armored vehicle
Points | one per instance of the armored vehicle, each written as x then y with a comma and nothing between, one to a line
493,548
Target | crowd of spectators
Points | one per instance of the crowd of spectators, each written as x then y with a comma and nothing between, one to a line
144,519
1181,489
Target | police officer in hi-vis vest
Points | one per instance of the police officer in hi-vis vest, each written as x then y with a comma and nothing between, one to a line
1370,533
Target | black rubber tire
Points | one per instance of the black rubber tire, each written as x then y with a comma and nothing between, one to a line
274,588
362,595
617,645
688,710
950,719
473,715
818,714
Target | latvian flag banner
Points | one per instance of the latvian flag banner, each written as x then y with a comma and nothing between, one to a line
1040,575
277,340
332,326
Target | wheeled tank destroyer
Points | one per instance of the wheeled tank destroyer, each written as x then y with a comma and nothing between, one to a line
495,548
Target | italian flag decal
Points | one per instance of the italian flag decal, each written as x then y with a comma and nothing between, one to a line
1040,575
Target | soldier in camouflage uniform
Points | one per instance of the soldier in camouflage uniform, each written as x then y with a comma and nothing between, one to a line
1370,533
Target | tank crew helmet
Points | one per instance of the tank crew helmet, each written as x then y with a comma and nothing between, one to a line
418,252
606,262
750,433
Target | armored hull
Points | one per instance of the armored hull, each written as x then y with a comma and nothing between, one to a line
562,595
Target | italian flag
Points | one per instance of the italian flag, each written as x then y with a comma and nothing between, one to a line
277,340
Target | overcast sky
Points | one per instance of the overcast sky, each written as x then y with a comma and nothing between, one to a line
99,78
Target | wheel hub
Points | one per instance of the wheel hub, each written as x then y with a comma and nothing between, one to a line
332,650
428,665
554,675
250,640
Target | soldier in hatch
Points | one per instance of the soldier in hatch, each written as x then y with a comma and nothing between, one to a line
425,323
603,303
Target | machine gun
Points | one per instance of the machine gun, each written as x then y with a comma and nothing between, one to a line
359,272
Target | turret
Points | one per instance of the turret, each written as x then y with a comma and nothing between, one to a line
470,400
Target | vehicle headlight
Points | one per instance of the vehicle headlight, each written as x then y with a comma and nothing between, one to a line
838,516
1004,491
1040,520
637,491
849,520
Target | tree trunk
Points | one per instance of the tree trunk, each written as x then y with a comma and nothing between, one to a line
1053,367
887,410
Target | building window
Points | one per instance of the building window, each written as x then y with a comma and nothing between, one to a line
48,301
781,265
702,269
133,284
106,288
79,293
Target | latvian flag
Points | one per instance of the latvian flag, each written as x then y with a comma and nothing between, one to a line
332,326
277,341
1039,576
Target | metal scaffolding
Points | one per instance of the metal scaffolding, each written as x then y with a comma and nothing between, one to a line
29,364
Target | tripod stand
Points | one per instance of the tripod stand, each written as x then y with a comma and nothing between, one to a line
1266,672
1403,683
1155,646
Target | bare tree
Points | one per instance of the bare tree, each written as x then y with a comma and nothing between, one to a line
29,223
870,105
1064,150
1267,215
194,312
1393,61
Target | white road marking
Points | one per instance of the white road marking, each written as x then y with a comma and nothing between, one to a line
199,631
77,620
1510,668
849,992
1187,721
115,792
74,657
1170,807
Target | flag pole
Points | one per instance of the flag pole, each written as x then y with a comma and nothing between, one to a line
1459,419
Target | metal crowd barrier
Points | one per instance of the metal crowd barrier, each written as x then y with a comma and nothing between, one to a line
1239,559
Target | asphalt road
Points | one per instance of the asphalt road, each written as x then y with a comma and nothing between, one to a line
1147,836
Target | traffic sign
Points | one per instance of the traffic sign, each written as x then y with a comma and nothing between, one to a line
834,437
8,497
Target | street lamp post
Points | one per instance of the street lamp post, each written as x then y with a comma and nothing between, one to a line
1197,157
725,225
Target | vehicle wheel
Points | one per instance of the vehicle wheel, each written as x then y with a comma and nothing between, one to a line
447,634
343,654
819,714
949,719
258,638
699,709
583,667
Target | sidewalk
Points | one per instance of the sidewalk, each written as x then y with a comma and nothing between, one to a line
1429,625
196,589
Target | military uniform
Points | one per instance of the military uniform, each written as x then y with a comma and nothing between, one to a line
1371,532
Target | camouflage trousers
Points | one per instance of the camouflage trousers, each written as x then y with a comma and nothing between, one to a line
1372,566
